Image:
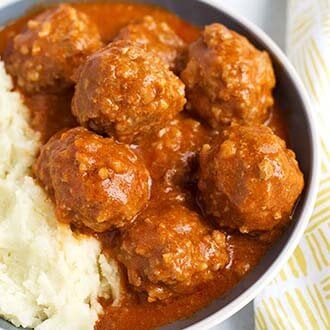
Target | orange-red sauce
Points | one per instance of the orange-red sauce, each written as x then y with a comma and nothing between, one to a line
136,313
51,113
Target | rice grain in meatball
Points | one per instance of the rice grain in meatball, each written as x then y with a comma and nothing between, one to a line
171,154
171,252
157,37
45,55
249,180
124,91
227,79
95,181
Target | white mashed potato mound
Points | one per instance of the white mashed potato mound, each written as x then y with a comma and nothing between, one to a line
49,277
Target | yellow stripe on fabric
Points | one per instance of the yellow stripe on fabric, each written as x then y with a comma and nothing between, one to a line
316,259
321,59
301,29
300,22
320,213
317,306
326,22
325,164
325,180
324,183
301,26
326,27
308,79
319,249
284,312
270,316
301,289
258,324
316,59
309,83
324,239
324,168
262,319
316,224
293,267
324,187
320,299
326,279
317,64
283,275
311,70
308,311
298,254
325,199
277,315
294,308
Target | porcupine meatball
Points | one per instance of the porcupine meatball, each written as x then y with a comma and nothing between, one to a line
94,181
157,37
124,91
170,250
45,55
172,152
227,79
249,180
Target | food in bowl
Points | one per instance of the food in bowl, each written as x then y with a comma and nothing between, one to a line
153,161
153,94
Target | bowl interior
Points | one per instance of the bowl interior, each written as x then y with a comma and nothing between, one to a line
300,132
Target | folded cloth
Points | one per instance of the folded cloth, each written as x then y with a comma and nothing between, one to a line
299,297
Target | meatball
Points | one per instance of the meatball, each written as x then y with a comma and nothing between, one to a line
170,250
157,37
171,153
227,79
249,180
124,91
95,181
44,56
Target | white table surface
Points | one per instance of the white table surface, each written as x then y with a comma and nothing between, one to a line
270,15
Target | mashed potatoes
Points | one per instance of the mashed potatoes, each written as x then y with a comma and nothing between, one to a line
49,277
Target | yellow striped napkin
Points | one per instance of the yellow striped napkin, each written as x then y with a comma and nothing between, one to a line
299,297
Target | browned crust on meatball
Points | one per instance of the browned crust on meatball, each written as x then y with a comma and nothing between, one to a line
94,181
249,180
171,252
125,91
157,37
171,154
45,55
227,79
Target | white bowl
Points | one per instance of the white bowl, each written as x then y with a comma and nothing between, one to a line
303,139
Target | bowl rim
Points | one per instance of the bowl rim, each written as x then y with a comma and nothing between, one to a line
249,294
